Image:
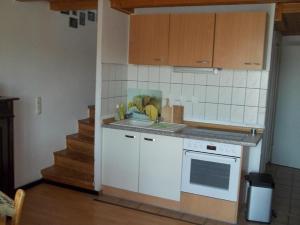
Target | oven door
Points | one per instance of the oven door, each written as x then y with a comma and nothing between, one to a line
211,175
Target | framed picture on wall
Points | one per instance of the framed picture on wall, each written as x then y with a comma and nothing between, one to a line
73,22
82,16
91,16
65,12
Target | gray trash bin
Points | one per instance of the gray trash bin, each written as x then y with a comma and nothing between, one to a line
259,197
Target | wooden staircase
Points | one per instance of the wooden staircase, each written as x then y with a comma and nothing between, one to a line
74,165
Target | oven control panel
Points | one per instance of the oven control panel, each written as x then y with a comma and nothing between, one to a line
213,147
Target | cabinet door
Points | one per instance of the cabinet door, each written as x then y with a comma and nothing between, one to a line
160,166
120,159
149,39
191,39
240,40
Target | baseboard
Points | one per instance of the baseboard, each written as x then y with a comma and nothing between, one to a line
30,185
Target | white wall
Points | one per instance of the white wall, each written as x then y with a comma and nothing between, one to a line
112,53
41,56
287,123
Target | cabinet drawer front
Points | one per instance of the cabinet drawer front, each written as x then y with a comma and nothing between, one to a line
120,159
160,166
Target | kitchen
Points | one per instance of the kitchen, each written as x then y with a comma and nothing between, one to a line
217,88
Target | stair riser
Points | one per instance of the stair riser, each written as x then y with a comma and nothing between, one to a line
81,147
92,113
86,130
74,165
68,181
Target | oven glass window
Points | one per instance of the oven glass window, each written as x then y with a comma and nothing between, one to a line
210,174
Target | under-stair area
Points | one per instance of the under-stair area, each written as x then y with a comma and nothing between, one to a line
74,165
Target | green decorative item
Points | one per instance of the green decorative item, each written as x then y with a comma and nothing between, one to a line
144,104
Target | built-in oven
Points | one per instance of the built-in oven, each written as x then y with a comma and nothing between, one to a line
211,169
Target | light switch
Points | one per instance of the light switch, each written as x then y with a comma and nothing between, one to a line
38,105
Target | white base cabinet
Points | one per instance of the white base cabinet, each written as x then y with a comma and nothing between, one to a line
120,159
145,163
160,166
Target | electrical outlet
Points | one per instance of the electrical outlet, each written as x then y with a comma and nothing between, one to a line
38,105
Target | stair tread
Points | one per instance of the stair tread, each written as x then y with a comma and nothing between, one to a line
68,176
88,122
82,138
75,156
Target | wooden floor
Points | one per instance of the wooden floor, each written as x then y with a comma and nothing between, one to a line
50,205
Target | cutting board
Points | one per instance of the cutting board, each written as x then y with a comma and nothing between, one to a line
166,112
177,114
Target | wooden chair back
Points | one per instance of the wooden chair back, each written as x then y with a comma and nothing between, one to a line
19,200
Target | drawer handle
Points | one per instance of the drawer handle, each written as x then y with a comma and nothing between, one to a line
202,61
157,59
248,63
258,64
130,136
149,139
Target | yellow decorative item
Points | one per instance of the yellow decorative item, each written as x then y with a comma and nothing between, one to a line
151,112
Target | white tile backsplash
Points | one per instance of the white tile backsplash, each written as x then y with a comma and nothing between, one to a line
240,78
253,80
212,94
252,97
238,96
231,97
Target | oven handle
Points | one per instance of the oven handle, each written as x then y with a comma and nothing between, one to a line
211,154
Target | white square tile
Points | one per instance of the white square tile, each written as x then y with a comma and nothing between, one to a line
120,72
238,96
114,70
253,80
188,110
105,89
153,73
143,73
213,79
261,116
132,84
104,107
250,117
111,106
200,93
252,97
176,90
118,100
176,78
224,112
188,78
132,72
225,95
263,98
199,111
165,89
226,78
112,89
118,88
211,111
187,92
124,88
264,80
153,86
212,94
143,85
165,74
239,78
106,71
237,114
201,79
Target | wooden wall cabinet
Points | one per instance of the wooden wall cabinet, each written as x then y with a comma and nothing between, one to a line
192,39
149,39
240,40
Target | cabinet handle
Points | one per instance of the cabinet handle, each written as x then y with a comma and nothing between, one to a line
157,59
257,64
149,139
248,63
202,61
130,136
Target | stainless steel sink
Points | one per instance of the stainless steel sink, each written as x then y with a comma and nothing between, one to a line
149,125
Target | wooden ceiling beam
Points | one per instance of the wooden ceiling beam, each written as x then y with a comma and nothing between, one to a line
61,5
283,9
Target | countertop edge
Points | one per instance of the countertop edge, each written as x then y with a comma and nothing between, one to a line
179,135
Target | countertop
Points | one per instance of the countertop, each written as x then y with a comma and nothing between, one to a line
236,138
